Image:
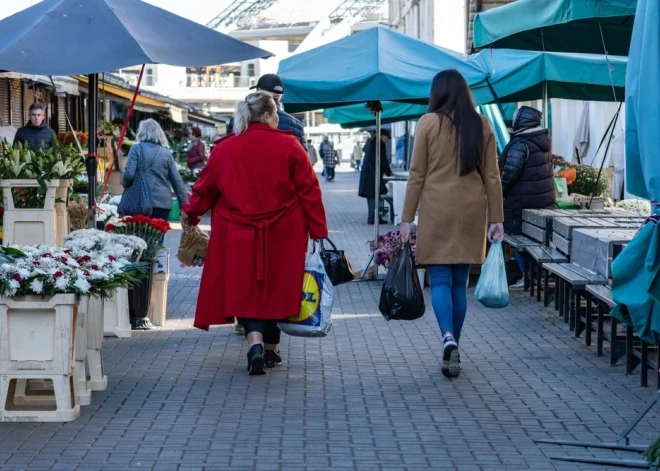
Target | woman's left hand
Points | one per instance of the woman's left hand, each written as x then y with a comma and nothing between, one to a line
496,232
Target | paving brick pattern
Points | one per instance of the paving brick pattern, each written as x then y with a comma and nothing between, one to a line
368,397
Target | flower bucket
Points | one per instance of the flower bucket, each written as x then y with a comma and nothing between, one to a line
97,379
29,226
176,209
38,342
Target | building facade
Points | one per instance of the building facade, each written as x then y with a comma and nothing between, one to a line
474,7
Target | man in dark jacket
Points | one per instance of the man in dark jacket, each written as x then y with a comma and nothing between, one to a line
328,155
36,131
272,84
367,187
528,180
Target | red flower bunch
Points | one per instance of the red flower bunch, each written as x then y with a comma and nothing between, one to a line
68,137
148,229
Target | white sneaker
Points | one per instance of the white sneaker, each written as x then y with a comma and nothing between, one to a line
520,284
451,362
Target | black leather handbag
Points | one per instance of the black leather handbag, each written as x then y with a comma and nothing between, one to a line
336,264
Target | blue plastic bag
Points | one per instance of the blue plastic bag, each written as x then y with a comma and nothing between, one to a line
492,290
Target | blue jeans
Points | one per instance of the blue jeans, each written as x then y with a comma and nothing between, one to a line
520,258
449,296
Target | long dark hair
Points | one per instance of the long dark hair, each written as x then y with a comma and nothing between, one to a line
452,101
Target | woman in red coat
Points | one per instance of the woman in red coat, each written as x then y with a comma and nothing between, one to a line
266,203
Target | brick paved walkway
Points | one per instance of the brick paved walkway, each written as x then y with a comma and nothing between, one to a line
368,397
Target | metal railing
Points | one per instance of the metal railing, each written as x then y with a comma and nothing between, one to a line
219,81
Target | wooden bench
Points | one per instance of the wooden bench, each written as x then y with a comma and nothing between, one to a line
570,285
390,201
539,256
521,243
603,294
642,354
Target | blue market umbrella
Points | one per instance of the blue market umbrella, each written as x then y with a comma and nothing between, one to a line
71,37
636,271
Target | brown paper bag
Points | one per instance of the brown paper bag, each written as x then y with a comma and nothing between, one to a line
193,244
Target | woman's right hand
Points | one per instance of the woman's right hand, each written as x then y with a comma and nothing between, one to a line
404,230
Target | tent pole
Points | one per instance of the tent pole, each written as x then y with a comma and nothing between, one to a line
91,163
545,104
607,148
377,187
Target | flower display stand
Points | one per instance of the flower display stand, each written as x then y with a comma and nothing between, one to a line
158,305
38,342
62,225
97,380
116,319
80,385
29,226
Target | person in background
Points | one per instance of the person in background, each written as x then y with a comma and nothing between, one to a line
367,188
36,132
329,157
266,202
150,155
455,183
356,158
311,151
528,177
273,85
196,149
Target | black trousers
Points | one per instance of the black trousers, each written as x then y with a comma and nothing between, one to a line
160,213
330,173
268,329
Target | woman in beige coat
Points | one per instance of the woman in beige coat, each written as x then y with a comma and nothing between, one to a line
455,183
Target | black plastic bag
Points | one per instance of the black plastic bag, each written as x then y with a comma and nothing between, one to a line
402,297
336,265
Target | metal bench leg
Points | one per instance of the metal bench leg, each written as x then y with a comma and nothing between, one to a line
557,293
614,341
546,291
566,303
539,278
570,299
532,279
600,333
644,364
588,319
631,360
526,273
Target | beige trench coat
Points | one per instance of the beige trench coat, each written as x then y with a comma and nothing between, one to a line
454,210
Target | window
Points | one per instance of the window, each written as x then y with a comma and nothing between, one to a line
150,78
250,70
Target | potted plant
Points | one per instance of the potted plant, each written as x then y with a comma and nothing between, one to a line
150,230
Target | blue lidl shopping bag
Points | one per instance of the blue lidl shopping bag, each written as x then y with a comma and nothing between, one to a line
315,318
492,290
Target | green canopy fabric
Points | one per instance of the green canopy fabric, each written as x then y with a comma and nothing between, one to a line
376,64
517,75
636,271
558,26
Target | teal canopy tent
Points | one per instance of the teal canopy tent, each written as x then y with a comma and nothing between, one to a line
358,116
636,271
558,26
517,75
376,64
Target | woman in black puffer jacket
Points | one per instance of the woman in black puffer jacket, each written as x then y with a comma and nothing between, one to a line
527,172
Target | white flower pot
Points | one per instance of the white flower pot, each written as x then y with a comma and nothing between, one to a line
158,305
62,226
97,380
80,385
38,342
116,320
29,226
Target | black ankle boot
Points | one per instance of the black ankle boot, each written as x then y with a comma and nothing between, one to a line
256,361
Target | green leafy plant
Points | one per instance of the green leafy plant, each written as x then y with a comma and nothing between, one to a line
585,183
652,454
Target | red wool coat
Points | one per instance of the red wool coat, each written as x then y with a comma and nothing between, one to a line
265,201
